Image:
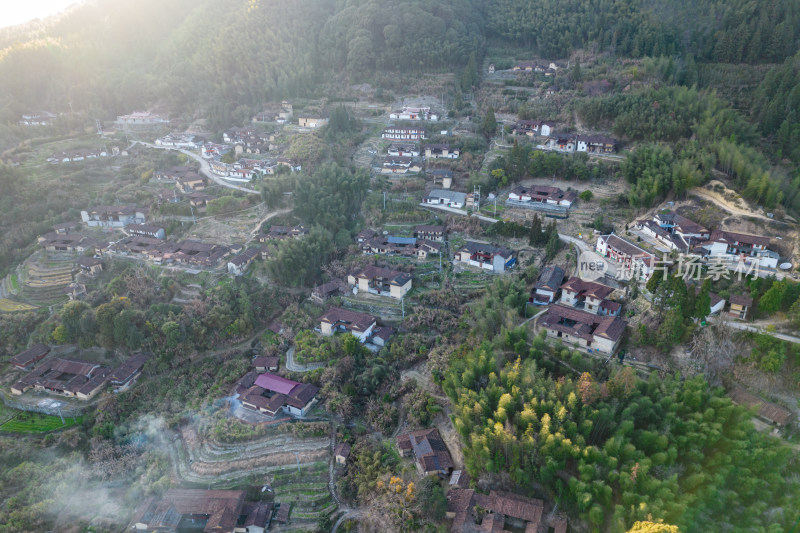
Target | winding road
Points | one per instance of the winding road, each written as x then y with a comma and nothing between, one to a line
205,168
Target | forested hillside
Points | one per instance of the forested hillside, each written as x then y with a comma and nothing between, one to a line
107,58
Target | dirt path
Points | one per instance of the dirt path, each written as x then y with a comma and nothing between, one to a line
720,201
260,223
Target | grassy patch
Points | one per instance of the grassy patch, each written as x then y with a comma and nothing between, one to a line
6,413
37,423
14,282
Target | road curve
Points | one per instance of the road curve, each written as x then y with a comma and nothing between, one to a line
205,168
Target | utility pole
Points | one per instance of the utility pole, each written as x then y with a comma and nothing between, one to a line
384,200
403,306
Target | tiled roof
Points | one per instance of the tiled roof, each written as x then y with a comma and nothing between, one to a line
355,321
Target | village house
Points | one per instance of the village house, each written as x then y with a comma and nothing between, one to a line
722,244
740,305
533,127
26,359
178,140
446,197
341,453
76,379
198,199
397,133
238,265
498,511
207,511
716,304
312,122
381,335
399,165
211,150
596,144
442,177
75,291
337,319
635,262
429,450
589,296
117,216
570,142
681,226
414,113
77,155
271,394
672,241
547,285
601,333
172,173
486,256
41,118
403,150
430,232
123,377
562,142
767,411
441,151
66,227
190,182
237,134
266,363
146,230
279,233
543,194
381,281
290,163
141,118
321,293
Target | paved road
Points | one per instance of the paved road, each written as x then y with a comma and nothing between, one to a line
757,329
205,168
297,367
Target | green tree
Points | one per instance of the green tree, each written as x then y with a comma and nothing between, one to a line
489,123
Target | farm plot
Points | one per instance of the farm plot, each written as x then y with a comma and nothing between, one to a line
26,422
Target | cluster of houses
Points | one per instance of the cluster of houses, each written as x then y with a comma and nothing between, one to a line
573,142
676,232
141,119
207,511
179,140
541,198
249,140
583,315
414,113
84,154
71,378
113,216
39,118
548,68
280,113
401,158
532,128
420,245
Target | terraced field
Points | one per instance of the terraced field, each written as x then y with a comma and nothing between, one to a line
45,283
296,468
10,306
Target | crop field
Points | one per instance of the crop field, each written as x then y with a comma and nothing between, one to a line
37,423
10,306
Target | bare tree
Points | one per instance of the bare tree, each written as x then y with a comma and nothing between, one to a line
713,351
